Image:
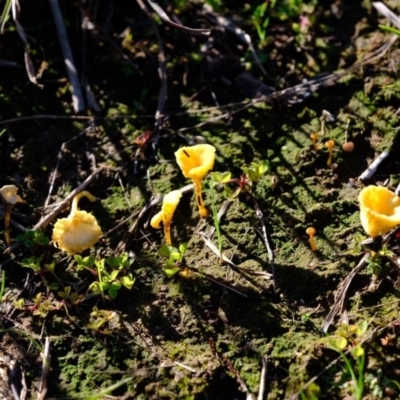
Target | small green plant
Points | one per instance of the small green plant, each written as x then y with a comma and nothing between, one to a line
375,263
98,318
174,258
260,18
42,305
252,175
32,238
110,282
35,263
348,339
73,297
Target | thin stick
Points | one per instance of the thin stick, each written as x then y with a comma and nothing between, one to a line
263,378
374,166
386,12
45,370
241,271
162,73
260,217
77,97
340,298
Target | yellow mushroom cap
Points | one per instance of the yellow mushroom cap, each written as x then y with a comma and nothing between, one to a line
330,144
79,230
170,202
9,193
76,233
310,231
379,210
196,161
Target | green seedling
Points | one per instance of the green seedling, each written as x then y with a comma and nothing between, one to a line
73,297
348,339
252,175
260,18
35,263
375,263
256,171
100,317
32,238
109,282
174,258
110,271
84,262
42,306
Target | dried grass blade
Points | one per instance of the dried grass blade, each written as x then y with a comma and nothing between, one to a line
162,14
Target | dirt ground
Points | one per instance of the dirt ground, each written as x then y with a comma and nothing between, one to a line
269,322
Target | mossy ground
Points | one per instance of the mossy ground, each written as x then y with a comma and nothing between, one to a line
204,336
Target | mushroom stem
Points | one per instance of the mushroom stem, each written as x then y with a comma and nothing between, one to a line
314,138
7,219
199,199
329,162
76,199
330,144
167,232
313,243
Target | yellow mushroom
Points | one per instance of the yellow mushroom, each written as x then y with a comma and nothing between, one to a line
195,162
170,202
379,210
330,144
311,232
79,230
10,197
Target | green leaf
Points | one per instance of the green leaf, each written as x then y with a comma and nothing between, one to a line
339,343
114,275
116,285
165,250
362,327
112,293
96,324
128,281
50,266
54,286
183,248
358,351
251,174
170,272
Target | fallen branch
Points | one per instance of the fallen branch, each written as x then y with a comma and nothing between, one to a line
78,102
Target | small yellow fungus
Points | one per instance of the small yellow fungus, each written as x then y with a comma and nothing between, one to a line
10,196
311,232
79,230
379,210
170,202
330,144
195,162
